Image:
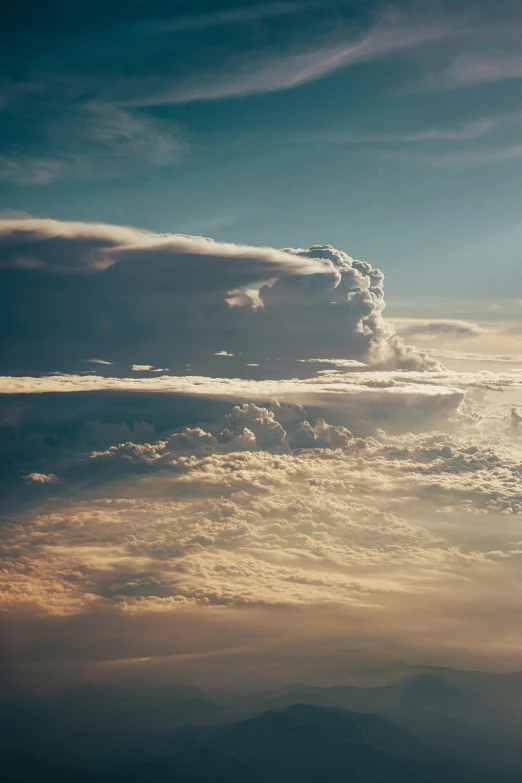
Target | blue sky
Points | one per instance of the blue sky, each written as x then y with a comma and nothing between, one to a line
392,132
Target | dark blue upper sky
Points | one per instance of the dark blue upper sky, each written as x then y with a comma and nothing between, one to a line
391,131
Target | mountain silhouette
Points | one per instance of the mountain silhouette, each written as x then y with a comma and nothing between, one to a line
300,744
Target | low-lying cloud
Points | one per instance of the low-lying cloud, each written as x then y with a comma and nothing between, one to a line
265,508
444,329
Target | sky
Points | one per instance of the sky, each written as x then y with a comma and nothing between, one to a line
261,376
389,129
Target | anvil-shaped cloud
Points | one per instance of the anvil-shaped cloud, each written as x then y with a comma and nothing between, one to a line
174,297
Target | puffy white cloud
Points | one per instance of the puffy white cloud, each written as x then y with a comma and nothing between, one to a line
41,478
484,469
263,509
283,533
350,312
252,426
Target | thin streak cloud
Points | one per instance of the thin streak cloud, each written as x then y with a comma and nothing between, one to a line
473,157
467,70
223,17
464,132
95,141
277,71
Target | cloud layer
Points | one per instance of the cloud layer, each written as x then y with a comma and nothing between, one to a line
265,508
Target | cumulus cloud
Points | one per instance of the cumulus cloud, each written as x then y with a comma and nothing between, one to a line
251,506
263,508
41,478
277,429
284,428
351,312
485,468
191,296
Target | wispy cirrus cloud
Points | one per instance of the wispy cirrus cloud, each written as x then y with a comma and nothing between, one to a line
114,128
470,157
293,65
466,70
21,169
475,68
317,47
94,141
449,43
221,17
320,44
463,132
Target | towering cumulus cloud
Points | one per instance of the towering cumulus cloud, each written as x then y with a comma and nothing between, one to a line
187,299
339,316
